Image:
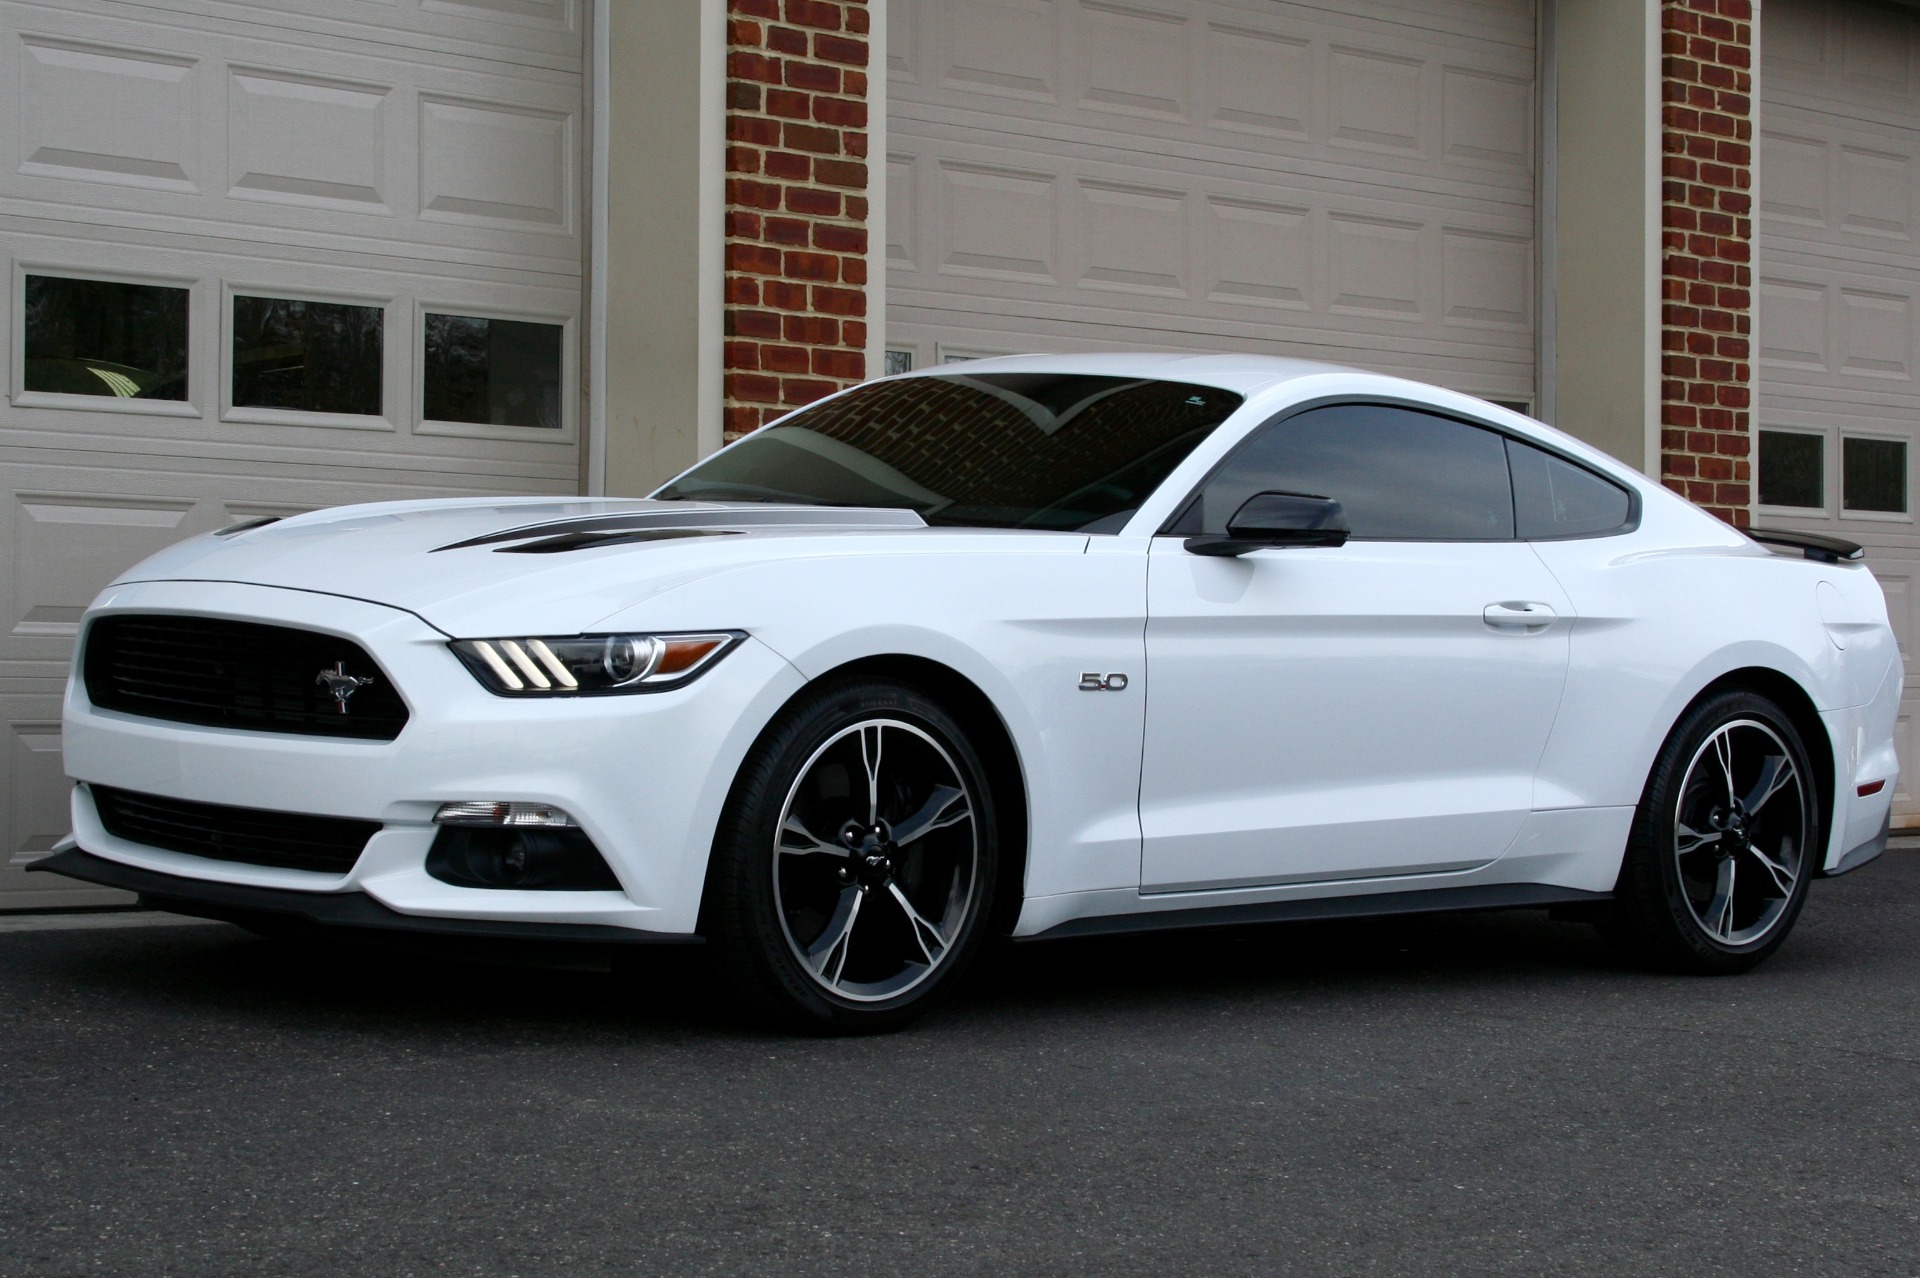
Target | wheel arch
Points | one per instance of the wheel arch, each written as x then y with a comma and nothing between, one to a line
998,755
1787,693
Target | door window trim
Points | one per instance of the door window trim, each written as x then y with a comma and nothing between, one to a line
1176,524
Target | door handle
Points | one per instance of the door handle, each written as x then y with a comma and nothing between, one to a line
1514,618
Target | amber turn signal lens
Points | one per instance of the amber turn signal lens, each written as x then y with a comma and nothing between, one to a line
683,655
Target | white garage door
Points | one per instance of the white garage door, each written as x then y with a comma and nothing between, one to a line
1839,293
262,258
1348,180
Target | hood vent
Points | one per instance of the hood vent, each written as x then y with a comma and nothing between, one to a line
661,525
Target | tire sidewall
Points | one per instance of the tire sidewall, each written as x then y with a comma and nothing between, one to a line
744,911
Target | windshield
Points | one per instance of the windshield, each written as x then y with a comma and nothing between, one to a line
992,450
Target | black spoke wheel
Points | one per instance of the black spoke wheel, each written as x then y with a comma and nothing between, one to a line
1724,844
855,863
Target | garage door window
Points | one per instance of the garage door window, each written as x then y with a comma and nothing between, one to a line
492,372
315,357
1874,475
1792,469
104,337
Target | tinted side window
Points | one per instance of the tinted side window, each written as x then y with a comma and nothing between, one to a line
1555,498
1402,475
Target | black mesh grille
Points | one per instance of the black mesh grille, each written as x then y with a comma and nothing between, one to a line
236,674
255,836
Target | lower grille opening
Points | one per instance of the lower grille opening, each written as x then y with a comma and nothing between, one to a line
249,836
527,858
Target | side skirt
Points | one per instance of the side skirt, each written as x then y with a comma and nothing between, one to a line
1493,896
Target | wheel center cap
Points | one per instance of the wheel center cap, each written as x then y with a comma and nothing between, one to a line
872,852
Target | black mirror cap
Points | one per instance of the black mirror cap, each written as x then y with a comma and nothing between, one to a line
1278,519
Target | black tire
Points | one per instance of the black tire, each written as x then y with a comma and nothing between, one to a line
824,861
1707,885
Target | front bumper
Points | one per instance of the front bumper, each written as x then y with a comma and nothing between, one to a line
644,775
352,911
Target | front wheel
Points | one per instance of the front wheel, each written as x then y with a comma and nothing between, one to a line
1724,844
855,862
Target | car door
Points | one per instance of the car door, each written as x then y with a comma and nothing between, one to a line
1371,709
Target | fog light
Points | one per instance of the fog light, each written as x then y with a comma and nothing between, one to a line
483,812
526,858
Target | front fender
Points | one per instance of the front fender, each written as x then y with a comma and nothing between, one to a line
1020,616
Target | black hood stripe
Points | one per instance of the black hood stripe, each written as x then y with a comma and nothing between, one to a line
722,520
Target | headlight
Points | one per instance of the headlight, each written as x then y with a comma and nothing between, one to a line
590,665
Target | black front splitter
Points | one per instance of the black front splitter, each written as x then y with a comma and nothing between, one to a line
348,911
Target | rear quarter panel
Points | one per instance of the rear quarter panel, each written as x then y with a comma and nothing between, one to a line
1656,623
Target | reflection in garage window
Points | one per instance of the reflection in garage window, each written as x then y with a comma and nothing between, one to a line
1873,474
493,372
1792,469
316,357
102,337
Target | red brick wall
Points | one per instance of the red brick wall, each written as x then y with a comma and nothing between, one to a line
796,270
1706,386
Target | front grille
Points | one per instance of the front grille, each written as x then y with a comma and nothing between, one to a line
252,836
236,674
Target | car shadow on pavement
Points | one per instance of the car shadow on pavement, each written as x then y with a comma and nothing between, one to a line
333,984
325,983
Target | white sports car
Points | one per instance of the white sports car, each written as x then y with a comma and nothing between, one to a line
1048,646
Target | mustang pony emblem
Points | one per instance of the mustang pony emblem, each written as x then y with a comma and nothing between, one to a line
339,684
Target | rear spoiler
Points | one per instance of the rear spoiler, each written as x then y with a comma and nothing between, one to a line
1816,546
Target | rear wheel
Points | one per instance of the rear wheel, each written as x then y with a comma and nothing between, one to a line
855,862
1724,844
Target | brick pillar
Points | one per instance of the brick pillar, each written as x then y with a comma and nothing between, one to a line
1706,383
796,267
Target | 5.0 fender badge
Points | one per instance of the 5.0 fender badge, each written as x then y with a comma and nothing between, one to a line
1095,682
340,685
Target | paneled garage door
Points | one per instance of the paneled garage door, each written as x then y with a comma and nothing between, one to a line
260,258
1839,293
1349,181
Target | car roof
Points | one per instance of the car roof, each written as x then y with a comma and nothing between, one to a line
1252,375
1229,371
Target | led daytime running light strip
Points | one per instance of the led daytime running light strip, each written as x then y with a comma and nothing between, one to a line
535,674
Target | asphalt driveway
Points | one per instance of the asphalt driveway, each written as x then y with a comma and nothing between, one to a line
1468,1095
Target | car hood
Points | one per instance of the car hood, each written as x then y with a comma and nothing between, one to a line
468,566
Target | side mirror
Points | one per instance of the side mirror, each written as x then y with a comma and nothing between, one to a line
1278,519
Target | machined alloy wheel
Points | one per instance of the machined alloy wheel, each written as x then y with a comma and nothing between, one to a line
872,903
855,863
1725,842
1741,832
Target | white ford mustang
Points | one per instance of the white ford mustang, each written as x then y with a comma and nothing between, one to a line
1049,646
